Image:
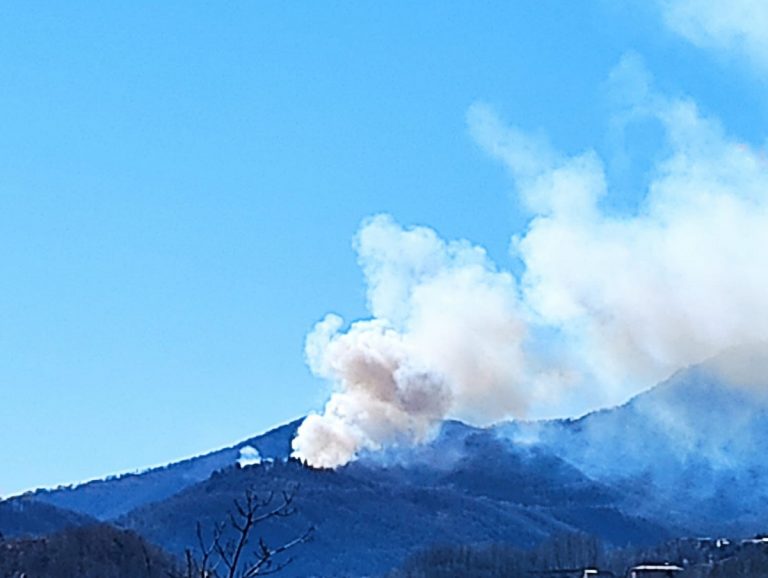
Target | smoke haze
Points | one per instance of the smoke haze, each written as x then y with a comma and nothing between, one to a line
606,305
446,338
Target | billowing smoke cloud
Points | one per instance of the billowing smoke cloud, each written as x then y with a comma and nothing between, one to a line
446,338
624,300
638,296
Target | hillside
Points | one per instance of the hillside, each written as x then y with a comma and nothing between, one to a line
26,517
568,555
110,498
691,450
369,517
684,458
99,551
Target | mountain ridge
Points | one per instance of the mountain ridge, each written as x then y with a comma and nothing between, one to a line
683,458
108,498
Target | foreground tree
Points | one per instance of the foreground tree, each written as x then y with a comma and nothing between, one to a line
232,550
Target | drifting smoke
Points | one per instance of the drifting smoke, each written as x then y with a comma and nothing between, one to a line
445,339
640,296
626,300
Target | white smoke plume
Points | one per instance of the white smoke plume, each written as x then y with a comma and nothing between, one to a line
639,296
446,338
624,300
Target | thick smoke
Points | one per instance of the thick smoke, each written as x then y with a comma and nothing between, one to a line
639,296
446,338
623,301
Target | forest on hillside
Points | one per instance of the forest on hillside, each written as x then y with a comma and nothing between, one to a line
102,551
96,551
568,555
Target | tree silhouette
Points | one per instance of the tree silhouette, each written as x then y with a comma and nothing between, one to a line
244,555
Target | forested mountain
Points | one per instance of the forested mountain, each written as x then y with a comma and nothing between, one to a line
683,459
26,517
112,497
94,551
368,519
691,450
569,555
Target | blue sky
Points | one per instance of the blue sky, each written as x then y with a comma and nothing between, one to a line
180,184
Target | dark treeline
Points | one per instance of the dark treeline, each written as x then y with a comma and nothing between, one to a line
700,558
97,551
102,551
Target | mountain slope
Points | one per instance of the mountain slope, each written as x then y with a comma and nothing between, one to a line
110,498
25,517
371,515
691,450
99,551
685,457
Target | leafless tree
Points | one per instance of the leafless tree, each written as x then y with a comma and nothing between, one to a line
244,556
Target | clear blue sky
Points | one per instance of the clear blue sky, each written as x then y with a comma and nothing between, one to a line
180,183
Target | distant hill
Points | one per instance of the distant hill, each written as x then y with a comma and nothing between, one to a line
87,552
25,517
370,516
691,450
110,498
684,458
567,555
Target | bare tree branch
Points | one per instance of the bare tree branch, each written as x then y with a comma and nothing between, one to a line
247,513
265,556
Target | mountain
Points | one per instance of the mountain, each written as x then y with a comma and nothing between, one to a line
26,517
691,450
369,519
684,458
96,551
115,496
699,558
467,485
